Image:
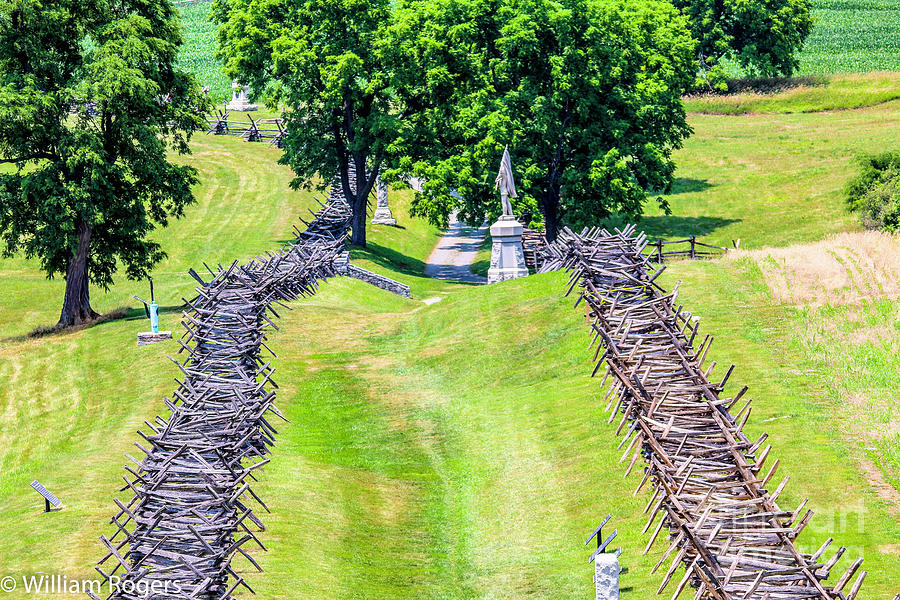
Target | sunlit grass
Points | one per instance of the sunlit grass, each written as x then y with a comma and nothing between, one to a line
833,92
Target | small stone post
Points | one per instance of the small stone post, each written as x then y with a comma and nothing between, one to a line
383,215
606,576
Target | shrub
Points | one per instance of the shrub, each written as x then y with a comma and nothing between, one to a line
875,192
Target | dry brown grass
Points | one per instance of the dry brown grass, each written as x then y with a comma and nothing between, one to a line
846,268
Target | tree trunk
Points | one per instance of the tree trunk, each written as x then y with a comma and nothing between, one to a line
76,308
550,210
358,224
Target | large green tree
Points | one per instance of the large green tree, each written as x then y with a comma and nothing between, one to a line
586,93
327,62
90,104
763,36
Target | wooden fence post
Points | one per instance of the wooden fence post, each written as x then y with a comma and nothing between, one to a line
659,250
693,247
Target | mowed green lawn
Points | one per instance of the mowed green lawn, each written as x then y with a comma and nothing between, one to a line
244,207
457,450
770,179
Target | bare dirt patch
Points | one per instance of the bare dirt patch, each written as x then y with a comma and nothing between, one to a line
884,490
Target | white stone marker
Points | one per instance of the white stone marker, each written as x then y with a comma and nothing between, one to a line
606,576
383,215
507,256
240,98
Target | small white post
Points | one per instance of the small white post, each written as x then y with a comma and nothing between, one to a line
606,576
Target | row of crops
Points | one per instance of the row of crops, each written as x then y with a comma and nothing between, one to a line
849,36
197,52
853,36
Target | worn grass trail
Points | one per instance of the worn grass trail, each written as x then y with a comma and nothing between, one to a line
460,450
456,451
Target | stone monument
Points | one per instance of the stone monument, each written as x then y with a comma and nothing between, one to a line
507,257
240,98
383,215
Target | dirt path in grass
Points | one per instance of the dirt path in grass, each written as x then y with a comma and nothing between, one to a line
453,256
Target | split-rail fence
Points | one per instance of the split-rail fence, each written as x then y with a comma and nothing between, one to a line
712,490
191,507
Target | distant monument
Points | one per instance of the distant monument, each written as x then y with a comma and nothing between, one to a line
240,98
507,257
383,215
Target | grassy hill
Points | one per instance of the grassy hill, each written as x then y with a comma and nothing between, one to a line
460,450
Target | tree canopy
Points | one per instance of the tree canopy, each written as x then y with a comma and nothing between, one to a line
328,62
90,104
763,36
875,191
586,93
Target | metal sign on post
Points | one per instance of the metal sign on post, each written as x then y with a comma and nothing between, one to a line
152,310
49,498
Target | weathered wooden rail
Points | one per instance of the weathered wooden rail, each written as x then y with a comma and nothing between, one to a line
534,245
711,489
689,248
252,130
191,508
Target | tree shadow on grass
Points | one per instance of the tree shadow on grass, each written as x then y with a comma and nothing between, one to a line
392,260
291,241
687,185
682,227
771,85
389,259
671,227
123,313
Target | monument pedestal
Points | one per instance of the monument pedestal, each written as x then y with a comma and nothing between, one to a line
383,215
240,98
507,257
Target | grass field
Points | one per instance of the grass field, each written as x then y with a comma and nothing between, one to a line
770,180
244,206
423,459
459,450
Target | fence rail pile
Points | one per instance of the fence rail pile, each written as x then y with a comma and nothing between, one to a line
725,527
191,509
533,245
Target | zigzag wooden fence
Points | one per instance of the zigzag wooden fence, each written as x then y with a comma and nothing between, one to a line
689,247
534,244
190,512
725,526
253,130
